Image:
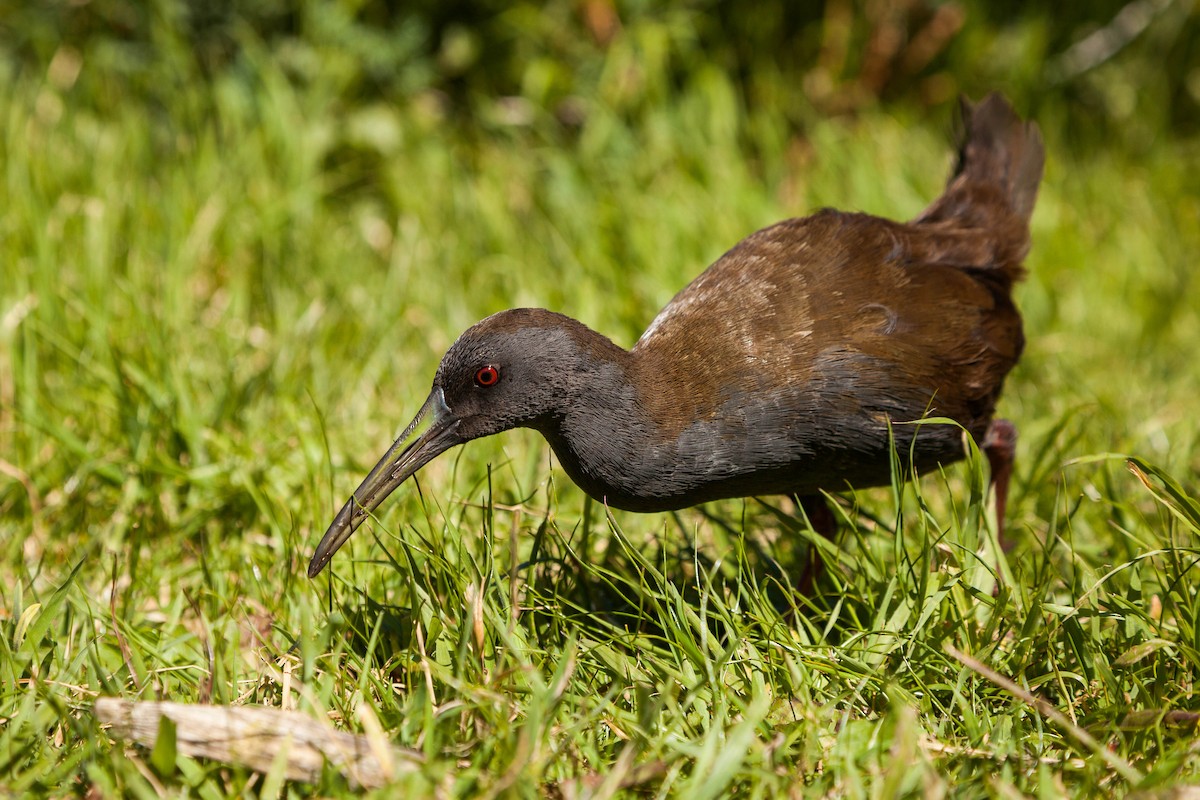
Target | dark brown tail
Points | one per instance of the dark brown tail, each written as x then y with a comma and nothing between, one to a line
999,167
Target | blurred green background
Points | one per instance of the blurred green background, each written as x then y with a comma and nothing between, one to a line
1104,70
235,239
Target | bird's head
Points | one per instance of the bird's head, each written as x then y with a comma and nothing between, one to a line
514,369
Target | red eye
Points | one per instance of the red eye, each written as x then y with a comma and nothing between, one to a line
487,376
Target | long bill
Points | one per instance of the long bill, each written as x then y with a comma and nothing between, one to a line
402,459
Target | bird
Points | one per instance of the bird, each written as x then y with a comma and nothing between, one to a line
790,366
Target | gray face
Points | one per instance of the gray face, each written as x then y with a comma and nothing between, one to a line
522,368
491,380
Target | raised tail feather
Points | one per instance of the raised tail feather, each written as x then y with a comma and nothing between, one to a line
1000,162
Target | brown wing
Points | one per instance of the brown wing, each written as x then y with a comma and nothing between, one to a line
870,315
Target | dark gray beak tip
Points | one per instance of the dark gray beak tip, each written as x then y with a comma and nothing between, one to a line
340,530
316,565
403,458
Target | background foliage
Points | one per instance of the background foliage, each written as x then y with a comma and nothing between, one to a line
237,237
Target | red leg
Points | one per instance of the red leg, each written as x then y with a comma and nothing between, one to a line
1000,446
821,517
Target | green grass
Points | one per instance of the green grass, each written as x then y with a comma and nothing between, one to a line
218,307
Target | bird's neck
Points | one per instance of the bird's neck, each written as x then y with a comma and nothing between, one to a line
617,433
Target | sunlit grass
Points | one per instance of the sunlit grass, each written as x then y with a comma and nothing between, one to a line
214,316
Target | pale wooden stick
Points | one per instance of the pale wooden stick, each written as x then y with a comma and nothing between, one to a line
253,736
